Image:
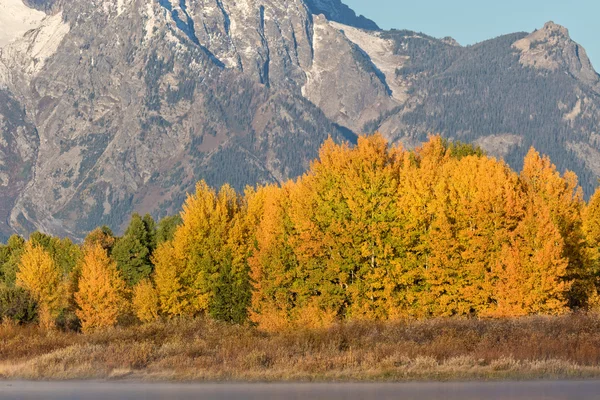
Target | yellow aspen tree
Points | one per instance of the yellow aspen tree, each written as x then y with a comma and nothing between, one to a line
591,223
203,270
346,229
474,216
273,263
564,200
173,296
443,267
184,267
532,271
145,301
101,295
591,229
372,226
39,274
489,207
420,174
320,215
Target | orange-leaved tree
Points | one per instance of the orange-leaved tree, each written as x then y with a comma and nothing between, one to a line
532,271
544,186
273,262
474,210
591,229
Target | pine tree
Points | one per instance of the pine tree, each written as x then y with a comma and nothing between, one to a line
151,230
133,251
166,228
17,305
100,298
228,302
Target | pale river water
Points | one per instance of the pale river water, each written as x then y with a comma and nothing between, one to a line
553,390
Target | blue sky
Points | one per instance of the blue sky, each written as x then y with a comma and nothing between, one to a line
472,21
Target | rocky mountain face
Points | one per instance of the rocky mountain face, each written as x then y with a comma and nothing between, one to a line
114,106
335,10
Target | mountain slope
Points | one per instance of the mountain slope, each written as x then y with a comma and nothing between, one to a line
506,94
131,110
114,106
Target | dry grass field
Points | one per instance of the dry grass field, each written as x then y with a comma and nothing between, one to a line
204,350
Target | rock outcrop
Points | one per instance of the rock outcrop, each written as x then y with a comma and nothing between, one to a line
552,48
335,10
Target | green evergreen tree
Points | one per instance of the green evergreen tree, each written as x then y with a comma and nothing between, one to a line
167,227
232,293
132,252
150,226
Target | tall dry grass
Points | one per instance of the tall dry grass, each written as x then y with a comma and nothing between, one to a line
540,347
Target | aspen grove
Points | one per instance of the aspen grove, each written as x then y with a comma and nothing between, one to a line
370,232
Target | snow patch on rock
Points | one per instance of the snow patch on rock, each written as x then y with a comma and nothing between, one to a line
33,50
151,22
381,53
16,19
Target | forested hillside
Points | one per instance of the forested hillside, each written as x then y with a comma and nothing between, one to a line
372,232
483,94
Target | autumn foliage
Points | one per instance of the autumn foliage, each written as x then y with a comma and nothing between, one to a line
375,233
203,270
100,296
370,232
39,274
145,301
